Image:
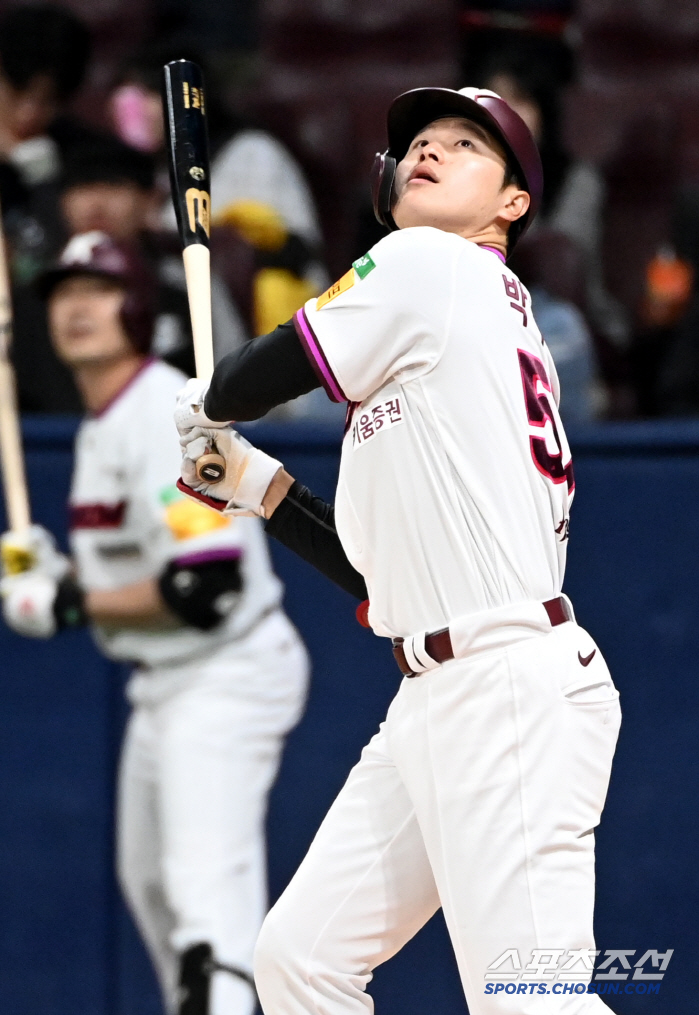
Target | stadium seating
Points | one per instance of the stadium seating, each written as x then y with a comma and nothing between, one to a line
329,73
635,112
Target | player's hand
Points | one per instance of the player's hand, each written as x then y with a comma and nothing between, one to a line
249,471
189,409
32,549
28,604
37,605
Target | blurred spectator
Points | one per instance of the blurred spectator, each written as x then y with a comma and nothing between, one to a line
44,51
109,187
257,188
677,332
667,293
43,56
568,337
550,266
574,192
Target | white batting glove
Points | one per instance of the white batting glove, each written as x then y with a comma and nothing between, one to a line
32,549
28,604
249,471
189,408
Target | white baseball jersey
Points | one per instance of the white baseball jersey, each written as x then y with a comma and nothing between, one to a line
456,477
128,520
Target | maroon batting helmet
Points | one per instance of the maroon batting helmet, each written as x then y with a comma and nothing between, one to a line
96,253
414,110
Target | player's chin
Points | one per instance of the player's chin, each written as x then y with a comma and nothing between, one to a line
420,208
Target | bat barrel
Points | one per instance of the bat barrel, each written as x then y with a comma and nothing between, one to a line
188,150
190,179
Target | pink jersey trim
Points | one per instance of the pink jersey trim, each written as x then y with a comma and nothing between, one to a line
316,357
148,361
209,556
498,253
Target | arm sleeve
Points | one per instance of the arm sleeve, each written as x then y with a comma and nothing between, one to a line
268,371
387,317
306,525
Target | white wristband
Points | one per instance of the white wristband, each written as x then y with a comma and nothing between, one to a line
252,486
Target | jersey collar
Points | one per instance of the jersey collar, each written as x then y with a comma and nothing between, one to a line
498,253
148,361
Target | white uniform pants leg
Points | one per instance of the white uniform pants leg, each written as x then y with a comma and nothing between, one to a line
487,780
363,890
217,743
139,849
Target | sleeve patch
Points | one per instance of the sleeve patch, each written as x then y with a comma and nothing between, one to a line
341,286
363,265
186,519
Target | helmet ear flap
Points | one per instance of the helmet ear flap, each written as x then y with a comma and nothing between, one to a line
383,173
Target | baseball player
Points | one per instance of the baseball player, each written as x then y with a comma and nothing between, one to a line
481,791
190,597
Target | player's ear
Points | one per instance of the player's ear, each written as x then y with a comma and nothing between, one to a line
515,203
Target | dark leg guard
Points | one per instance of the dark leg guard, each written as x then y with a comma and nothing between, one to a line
197,965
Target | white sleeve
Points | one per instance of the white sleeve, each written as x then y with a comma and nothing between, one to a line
386,318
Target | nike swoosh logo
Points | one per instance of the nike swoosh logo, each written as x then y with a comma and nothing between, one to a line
586,660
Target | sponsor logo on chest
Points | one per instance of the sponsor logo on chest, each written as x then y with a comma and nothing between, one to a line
370,422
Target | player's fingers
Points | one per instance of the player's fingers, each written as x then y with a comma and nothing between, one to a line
189,473
196,448
191,435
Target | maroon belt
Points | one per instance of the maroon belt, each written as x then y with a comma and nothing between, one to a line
439,647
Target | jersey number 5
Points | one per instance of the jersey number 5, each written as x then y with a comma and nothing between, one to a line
548,447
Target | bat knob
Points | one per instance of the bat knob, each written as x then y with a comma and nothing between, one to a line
211,468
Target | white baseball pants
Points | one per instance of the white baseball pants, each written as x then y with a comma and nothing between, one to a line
479,794
197,765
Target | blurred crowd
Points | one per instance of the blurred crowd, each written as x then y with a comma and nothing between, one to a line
297,99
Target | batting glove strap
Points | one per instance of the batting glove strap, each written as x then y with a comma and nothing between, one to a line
202,498
253,484
69,604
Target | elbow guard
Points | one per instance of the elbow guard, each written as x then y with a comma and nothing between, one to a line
203,589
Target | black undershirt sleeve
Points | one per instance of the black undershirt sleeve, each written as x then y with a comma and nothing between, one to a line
306,525
246,384
265,372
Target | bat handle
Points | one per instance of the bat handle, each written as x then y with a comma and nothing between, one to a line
211,468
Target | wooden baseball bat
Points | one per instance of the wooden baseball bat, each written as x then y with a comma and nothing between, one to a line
190,180
14,477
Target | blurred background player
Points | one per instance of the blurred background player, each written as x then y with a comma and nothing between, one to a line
220,671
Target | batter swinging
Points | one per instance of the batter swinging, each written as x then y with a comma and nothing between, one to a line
481,791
